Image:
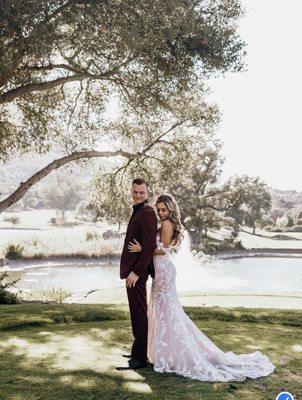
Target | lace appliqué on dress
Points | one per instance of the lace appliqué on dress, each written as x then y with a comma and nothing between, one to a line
160,246
175,344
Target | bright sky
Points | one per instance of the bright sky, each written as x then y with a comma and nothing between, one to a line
261,121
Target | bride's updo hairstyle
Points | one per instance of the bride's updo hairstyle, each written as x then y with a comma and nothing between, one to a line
174,216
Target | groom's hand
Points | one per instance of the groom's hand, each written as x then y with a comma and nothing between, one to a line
131,279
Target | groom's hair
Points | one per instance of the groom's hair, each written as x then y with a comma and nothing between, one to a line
140,181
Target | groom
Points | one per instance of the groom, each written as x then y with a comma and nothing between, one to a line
135,268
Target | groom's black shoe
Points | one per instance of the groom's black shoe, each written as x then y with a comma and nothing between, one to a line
133,364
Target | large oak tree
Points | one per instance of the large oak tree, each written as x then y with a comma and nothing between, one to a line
64,62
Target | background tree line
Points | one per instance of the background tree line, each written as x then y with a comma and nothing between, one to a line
206,203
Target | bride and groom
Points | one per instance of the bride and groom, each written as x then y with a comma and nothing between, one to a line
163,333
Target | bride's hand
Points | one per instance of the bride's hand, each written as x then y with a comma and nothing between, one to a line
134,247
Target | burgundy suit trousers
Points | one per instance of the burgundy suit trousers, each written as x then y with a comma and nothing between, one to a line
137,298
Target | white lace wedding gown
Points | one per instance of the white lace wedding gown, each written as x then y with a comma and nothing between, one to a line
175,344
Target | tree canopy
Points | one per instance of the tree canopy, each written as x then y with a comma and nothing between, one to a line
250,201
63,61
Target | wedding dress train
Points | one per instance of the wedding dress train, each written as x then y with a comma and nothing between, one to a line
175,344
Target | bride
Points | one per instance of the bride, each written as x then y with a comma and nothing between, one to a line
175,344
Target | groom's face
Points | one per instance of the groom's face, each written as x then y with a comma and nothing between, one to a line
139,193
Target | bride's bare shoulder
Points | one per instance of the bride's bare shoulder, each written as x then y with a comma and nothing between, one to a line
167,225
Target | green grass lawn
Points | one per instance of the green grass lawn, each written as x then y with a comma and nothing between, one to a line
54,352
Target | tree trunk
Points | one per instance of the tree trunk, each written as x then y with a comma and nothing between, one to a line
63,215
25,186
36,87
236,229
254,230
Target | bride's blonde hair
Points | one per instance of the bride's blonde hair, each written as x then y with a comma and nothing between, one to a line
174,216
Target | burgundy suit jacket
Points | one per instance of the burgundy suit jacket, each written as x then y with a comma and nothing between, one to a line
142,227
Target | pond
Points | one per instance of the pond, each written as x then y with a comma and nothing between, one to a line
246,275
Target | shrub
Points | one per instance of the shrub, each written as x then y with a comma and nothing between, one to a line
110,234
14,220
279,230
290,222
238,245
14,251
57,295
92,235
226,244
282,222
230,244
209,245
6,297
34,242
283,237
295,228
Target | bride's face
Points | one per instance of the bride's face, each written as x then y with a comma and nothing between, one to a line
162,211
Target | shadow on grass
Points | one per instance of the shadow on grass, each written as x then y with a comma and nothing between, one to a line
77,361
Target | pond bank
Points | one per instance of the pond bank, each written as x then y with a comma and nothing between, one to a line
265,252
249,280
61,257
223,255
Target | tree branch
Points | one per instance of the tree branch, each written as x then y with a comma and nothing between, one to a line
158,139
59,10
51,67
78,75
36,87
25,186
151,145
